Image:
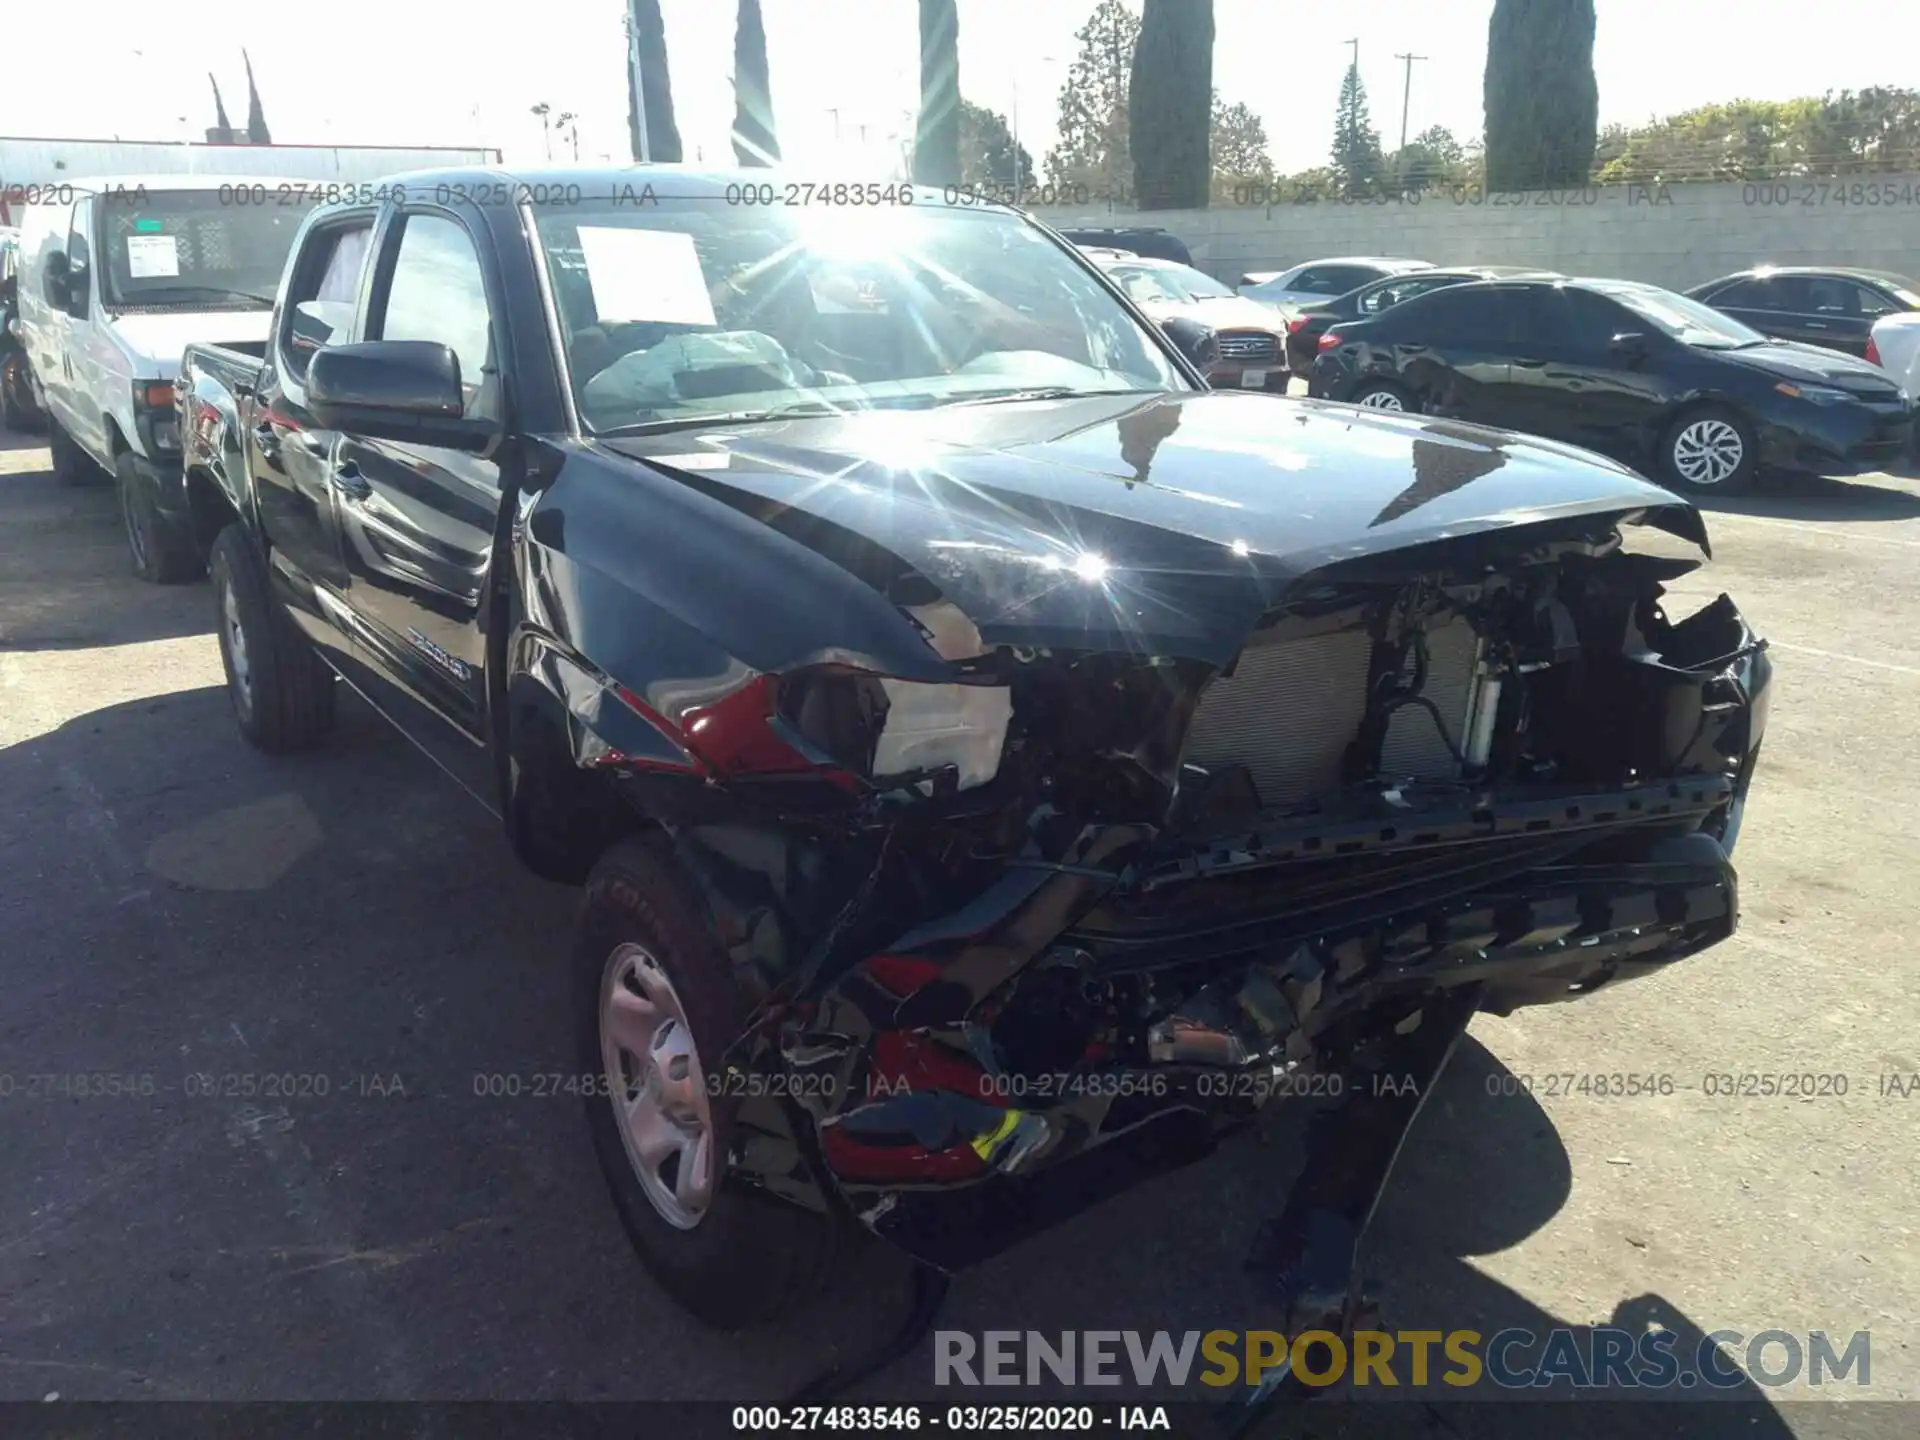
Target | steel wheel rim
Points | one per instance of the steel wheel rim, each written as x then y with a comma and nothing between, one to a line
136,542
1381,400
239,671
656,1087
1707,452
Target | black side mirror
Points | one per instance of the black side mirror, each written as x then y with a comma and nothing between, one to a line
78,278
53,281
395,390
1193,339
1630,343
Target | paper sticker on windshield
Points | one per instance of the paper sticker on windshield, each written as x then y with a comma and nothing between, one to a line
645,275
152,255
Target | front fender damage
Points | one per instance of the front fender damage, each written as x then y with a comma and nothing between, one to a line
976,1011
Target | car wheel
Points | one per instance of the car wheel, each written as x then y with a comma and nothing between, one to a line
17,411
163,551
282,694
1710,449
655,1007
71,464
1384,395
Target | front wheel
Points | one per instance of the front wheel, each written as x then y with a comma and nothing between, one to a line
163,550
654,1009
1710,449
1384,395
282,694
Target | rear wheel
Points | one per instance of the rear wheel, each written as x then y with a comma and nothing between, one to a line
1384,395
654,1009
163,551
1710,449
17,410
282,695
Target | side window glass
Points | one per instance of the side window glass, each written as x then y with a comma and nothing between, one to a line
322,300
80,260
1872,303
438,293
1747,295
1831,297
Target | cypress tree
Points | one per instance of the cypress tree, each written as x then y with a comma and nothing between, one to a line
754,142
936,145
1170,105
663,136
1542,102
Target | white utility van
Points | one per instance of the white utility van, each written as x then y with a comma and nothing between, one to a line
117,276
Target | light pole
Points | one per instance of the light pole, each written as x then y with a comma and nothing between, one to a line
1406,97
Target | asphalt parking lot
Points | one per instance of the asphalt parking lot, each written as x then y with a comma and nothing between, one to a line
174,905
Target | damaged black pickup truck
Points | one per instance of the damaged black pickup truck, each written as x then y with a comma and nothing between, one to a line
996,765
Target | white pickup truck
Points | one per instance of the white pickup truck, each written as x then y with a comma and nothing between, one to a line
117,276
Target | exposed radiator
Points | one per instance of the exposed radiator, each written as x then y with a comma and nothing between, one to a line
1292,707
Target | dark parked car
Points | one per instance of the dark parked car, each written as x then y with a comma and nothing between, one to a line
1665,383
1147,240
1310,322
996,764
1829,307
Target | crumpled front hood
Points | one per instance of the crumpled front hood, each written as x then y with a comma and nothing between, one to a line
1161,525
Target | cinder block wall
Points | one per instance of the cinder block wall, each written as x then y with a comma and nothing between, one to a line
1676,235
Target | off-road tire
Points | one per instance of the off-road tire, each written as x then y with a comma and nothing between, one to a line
288,703
749,1258
164,552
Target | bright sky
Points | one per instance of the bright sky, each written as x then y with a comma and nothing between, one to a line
424,72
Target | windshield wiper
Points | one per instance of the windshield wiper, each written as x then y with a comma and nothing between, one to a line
1037,392
202,289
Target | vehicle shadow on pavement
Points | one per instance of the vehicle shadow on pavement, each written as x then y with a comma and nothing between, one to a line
1825,499
66,582
345,1169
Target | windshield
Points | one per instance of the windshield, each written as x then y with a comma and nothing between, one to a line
1687,321
195,249
1178,284
694,308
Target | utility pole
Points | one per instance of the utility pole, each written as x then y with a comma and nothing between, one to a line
1406,97
834,111
1356,51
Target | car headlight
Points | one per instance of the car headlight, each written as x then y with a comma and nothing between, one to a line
1818,394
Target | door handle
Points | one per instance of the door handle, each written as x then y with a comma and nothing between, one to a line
348,480
1816,324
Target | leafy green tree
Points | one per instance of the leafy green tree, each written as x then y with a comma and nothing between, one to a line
754,141
1870,131
663,136
936,146
1357,163
1542,102
1093,149
1169,104
1431,159
988,155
